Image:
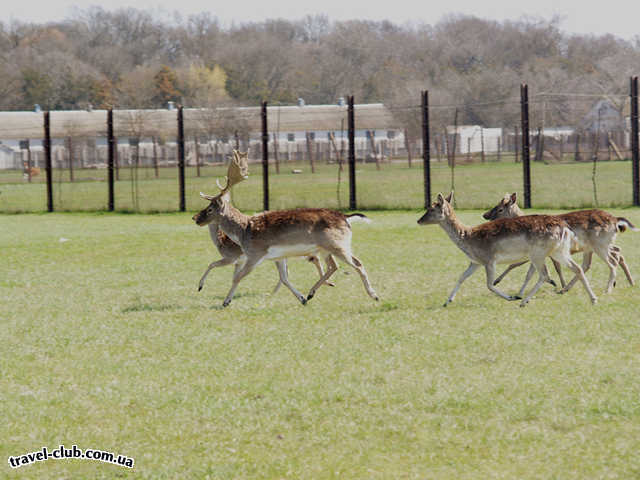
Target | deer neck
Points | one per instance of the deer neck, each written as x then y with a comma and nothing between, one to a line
213,233
234,223
457,231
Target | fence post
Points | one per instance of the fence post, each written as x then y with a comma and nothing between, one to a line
265,158
181,158
352,153
634,141
426,149
47,160
111,143
526,160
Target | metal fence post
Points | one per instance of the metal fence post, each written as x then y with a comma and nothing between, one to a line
426,149
111,159
265,158
526,160
352,153
47,160
635,156
181,158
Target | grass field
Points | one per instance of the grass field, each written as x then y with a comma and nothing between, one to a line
106,344
395,186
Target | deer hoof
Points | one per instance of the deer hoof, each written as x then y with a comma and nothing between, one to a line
310,296
200,288
552,282
226,303
495,282
303,301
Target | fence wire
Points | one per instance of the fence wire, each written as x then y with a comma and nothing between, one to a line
580,156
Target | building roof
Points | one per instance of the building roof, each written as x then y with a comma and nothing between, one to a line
22,125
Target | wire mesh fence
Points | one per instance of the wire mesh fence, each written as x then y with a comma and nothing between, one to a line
580,154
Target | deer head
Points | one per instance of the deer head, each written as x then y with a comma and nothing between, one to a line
438,210
238,171
506,208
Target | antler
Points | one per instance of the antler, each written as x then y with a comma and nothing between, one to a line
237,172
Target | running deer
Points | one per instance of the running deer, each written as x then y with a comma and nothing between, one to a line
232,255
595,232
230,251
507,240
281,234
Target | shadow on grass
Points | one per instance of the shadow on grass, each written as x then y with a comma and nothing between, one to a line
149,307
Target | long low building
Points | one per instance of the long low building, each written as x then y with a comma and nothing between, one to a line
163,123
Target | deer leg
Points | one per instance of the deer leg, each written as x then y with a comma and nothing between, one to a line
316,261
277,287
466,274
284,279
331,268
580,273
558,268
239,274
625,269
612,262
220,263
509,268
539,265
530,272
586,264
357,264
490,270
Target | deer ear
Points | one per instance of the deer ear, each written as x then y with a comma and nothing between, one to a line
449,197
440,199
513,198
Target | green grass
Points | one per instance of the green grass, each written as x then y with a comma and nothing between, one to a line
395,186
107,344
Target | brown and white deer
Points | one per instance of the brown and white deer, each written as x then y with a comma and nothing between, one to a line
229,250
595,233
507,240
281,234
232,255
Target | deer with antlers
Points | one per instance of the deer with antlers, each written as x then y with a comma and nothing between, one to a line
281,234
229,250
595,233
507,240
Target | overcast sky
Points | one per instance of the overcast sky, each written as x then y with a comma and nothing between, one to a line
618,17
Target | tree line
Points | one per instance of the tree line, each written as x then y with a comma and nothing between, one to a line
130,58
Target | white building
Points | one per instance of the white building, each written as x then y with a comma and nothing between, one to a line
7,158
470,138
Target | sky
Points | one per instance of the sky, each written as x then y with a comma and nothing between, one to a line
618,17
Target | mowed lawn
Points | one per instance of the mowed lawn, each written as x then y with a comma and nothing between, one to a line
106,344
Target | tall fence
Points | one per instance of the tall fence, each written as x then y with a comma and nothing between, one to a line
555,150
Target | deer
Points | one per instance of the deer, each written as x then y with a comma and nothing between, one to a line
595,231
507,240
232,253
278,235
